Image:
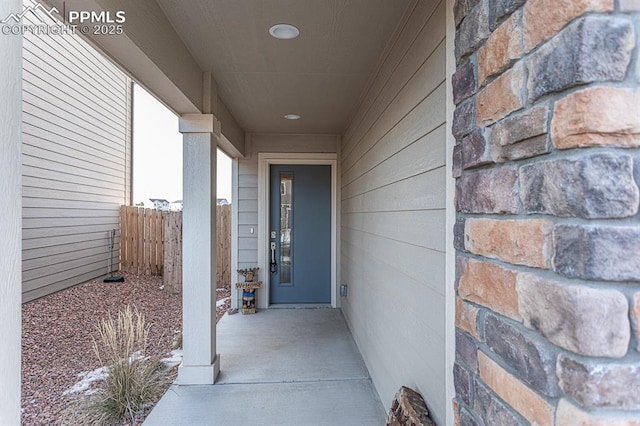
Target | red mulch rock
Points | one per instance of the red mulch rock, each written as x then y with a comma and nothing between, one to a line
58,332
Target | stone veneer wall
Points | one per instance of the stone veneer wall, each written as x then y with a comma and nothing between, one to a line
547,124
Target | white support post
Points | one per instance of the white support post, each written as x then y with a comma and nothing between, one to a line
200,363
10,225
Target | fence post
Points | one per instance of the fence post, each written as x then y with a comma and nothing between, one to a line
134,240
177,251
167,267
159,243
152,243
123,236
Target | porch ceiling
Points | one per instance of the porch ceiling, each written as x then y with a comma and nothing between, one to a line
320,75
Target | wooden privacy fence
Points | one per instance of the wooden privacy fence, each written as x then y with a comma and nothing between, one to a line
141,240
172,249
151,244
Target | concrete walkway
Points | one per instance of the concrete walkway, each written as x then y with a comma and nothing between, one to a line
279,367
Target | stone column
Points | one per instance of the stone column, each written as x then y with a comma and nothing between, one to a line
200,364
547,124
10,212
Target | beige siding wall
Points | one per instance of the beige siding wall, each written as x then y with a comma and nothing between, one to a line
393,215
248,183
76,160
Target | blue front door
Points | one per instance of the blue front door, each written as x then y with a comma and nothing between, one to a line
300,234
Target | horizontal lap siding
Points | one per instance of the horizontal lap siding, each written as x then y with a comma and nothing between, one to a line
247,213
393,214
76,160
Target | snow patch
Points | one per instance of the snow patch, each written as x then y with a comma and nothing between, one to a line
222,301
174,359
87,378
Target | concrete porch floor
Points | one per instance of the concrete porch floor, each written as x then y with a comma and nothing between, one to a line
279,367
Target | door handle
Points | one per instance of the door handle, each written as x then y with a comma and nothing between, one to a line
274,265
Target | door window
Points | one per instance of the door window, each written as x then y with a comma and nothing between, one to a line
286,227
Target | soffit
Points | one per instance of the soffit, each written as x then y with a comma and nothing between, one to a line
319,75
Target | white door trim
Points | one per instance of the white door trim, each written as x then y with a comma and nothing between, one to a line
265,160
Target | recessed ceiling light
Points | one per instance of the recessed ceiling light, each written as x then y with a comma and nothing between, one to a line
292,117
284,31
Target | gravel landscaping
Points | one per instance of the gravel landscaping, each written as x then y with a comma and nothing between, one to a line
58,332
